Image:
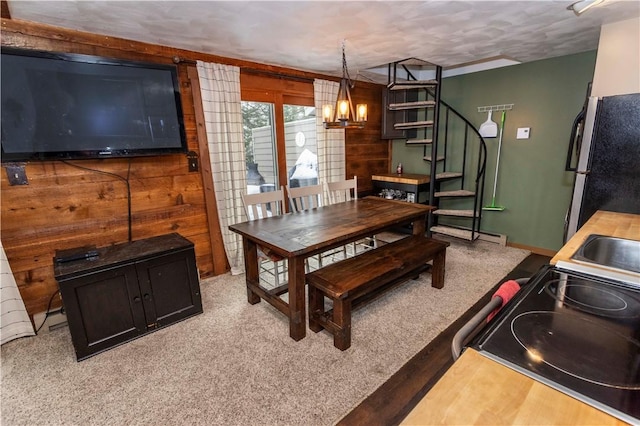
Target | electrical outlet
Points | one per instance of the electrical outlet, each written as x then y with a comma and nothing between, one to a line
16,174
193,164
55,320
192,158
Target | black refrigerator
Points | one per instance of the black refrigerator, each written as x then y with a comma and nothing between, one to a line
605,141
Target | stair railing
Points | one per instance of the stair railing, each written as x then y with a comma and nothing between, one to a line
479,179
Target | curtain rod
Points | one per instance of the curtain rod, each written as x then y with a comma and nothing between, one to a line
249,70
277,74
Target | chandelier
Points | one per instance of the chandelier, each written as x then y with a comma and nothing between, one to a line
341,116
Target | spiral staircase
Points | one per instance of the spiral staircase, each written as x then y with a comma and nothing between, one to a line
454,153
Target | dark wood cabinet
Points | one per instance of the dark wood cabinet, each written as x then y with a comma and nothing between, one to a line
127,291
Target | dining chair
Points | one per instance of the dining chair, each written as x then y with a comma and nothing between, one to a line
347,190
259,206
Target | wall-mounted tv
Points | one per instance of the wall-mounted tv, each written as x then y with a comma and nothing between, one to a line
70,106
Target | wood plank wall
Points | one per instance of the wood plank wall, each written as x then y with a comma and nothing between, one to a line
65,206
367,154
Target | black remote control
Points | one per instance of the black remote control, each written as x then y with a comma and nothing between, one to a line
81,255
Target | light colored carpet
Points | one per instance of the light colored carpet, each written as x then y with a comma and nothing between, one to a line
235,364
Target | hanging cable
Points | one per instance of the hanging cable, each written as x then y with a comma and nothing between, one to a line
48,311
124,179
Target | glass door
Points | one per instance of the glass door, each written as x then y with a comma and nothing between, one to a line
300,145
259,144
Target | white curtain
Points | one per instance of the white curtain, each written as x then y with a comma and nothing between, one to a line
220,87
15,321
331,156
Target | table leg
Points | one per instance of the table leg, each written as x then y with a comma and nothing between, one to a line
297,314
251,267
419,227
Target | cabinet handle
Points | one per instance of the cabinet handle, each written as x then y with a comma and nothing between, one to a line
136,299
147,296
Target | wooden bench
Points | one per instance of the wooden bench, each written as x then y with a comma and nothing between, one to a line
361,278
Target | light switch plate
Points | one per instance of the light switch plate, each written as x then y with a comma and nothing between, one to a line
523,133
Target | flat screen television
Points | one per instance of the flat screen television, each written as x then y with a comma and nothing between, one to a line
70,106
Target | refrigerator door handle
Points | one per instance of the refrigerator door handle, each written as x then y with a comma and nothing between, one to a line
582,170
576,136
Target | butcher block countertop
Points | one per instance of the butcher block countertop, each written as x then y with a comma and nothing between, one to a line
409,178
622,225
479,391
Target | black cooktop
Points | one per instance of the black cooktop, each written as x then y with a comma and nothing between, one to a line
577,333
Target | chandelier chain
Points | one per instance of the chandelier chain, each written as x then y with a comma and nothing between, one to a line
345,69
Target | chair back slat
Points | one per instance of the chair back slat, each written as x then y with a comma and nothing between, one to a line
344,190
264,204
305,197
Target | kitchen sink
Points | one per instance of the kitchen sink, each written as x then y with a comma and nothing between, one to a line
611,252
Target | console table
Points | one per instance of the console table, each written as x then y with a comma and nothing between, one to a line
128,290
414,187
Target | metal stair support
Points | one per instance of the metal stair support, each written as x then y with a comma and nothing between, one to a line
411,105
430,106
459,213
415,84
464,234
447,175
457,193
414,125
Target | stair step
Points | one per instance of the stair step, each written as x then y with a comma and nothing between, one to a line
411,105
458,193
419,141
428,158
455,232
413,84
457,213
414,125
448,175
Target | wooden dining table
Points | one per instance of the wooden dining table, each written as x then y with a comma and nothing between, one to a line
297,236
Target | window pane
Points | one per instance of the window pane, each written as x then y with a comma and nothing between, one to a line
300,145
259,143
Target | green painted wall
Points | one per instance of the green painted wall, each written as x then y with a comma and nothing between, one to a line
532,183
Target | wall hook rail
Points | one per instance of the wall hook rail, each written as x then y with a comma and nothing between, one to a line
502,107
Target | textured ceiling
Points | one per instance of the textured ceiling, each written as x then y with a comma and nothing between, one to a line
308,35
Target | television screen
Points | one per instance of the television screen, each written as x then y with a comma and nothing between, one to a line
67,106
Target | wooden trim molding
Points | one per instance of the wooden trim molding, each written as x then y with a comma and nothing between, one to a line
220,262
535,250
4,8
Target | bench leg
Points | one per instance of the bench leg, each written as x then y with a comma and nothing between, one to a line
316,308
437,272
342,319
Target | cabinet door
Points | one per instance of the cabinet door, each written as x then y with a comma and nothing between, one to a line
103,309
170,288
